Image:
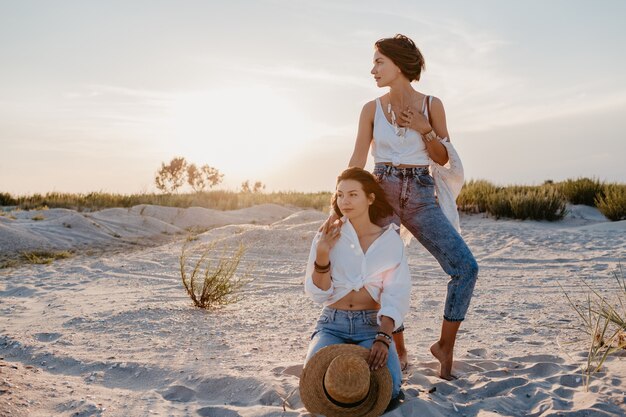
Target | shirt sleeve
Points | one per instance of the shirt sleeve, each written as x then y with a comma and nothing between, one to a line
313,291
395,298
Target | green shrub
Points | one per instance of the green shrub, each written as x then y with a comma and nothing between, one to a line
581,190
212,284
514,201
475,195
499,205
526,202
613,203
538,204
7,200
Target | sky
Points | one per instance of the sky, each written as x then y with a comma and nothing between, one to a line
95,95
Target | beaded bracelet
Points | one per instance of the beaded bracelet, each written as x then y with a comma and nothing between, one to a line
385,335
381,341
322,269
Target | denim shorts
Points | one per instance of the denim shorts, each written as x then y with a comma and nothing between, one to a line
411,193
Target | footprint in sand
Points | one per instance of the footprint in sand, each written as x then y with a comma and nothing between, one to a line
179,393
47,337
217,412
481,353
21,291
294,370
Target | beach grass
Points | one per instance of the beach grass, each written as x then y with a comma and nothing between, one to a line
542,202
613,202
212,283
35,257
42,257
603,319
533,202
581,190
219,200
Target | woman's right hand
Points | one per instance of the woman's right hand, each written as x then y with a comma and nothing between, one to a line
332,217
331,231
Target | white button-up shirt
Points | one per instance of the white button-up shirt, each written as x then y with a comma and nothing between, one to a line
382,270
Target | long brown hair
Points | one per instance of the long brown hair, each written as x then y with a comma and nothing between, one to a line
380,208
404,53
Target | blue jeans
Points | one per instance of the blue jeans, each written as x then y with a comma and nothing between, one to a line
411,193
356,327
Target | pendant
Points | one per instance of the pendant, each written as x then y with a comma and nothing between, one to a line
400,131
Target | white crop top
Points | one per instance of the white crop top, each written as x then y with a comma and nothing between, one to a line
389,147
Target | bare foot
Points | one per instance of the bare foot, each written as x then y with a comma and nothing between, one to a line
404,360
444,356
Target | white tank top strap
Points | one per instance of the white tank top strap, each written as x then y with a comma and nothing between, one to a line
379,110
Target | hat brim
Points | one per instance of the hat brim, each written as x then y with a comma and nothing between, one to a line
312,385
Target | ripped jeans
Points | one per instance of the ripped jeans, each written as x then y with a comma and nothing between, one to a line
411,193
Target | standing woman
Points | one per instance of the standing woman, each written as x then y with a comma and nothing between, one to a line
407,133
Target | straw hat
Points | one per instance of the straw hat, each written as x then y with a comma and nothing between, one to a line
337,382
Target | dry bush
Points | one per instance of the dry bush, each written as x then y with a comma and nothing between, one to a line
581,190
527,202
6,199
604,322
613,202
213,283
43,256
475,195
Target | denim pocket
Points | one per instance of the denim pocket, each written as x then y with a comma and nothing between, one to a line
323,319
371,319
425,180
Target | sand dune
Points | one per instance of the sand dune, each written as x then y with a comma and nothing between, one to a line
116,335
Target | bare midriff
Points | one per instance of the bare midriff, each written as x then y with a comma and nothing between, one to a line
356,300
404,165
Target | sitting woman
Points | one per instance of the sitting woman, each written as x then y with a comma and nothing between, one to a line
359,272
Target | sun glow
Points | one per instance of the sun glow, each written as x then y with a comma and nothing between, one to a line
243,129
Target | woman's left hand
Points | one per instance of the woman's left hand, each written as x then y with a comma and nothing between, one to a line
378,356
413,119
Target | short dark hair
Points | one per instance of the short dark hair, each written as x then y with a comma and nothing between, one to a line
403,52
380,208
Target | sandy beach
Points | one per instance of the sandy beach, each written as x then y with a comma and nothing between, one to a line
110,331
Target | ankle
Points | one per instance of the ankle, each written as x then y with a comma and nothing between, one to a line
443,345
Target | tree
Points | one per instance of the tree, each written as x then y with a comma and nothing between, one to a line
256,188
172,176
204,177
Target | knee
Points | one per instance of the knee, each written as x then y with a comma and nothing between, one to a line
472,268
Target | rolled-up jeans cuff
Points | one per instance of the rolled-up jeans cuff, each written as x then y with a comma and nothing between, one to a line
451,319
399,329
